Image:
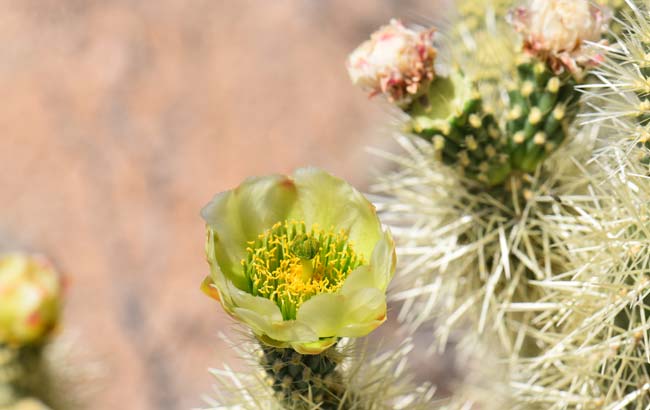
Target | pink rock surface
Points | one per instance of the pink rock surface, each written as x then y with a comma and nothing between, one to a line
121,120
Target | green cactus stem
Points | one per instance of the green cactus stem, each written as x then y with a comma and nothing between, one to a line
465,136
542,106
304,381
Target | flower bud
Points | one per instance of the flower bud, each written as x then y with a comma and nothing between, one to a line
555,30
396,62
30,299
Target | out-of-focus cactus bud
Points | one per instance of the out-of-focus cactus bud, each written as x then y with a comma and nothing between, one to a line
556,31
397,62
463,134
30,299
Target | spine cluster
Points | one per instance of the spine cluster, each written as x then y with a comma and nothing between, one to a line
302,381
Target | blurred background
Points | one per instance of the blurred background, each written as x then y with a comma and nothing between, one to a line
123,118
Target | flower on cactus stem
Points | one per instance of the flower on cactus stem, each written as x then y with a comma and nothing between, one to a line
556,30
396,62
301,260
30,299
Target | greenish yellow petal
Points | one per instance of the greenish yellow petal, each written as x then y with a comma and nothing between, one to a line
209,288
288,330
360,329
365,309
383,261
331,202
236,217
378,273
344,315
325,313
314,347
261,306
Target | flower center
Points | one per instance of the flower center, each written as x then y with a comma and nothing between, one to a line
288,264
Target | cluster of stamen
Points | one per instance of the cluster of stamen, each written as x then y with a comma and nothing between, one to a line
289,264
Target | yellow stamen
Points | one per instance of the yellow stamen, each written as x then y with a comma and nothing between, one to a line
288,264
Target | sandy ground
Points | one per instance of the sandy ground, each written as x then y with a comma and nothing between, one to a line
121,120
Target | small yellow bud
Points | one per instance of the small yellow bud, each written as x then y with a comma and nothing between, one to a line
559,112
519,137
490,151
535,116
644,106
540,138
527,89
475,121
553,85
515,113
471,143
484,167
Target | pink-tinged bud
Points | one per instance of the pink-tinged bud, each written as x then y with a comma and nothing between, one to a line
396,62
556,31
30,299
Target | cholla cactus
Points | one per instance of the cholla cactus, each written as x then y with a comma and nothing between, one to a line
449,112
371,380
474,252
30,303
597,335
496,235
620,100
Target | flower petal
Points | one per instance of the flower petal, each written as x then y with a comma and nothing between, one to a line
360,329
288,330
238,216
380,271
332,203
314,347
209,288
325,313
259,305
383,261
345,315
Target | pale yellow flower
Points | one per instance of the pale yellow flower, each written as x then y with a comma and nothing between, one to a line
302,259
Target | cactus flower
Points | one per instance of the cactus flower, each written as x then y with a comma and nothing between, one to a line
555,30
396,62
30,299
302,259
